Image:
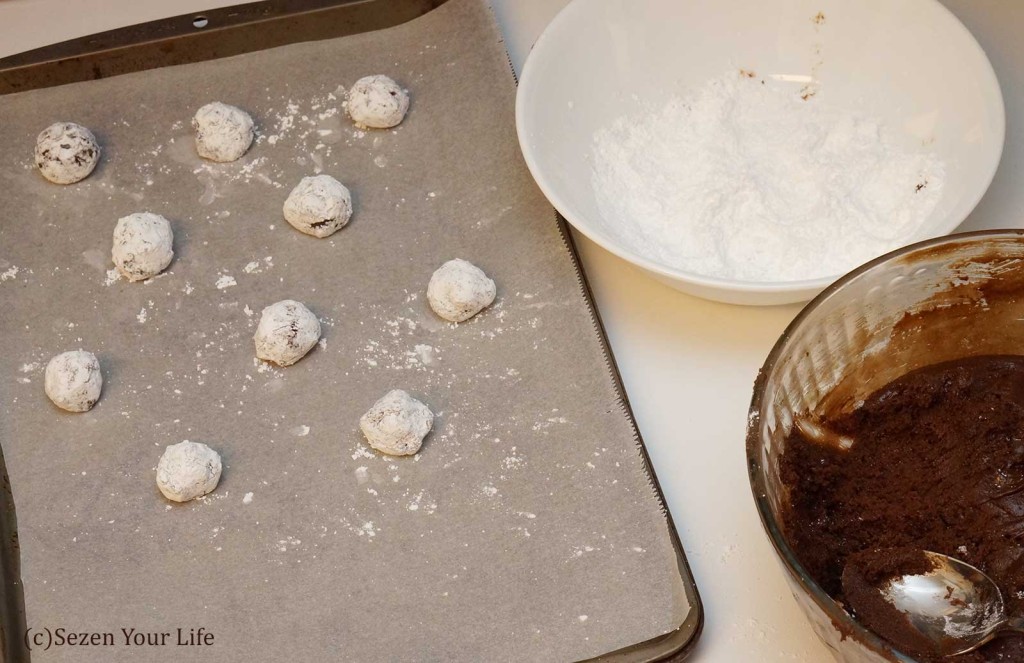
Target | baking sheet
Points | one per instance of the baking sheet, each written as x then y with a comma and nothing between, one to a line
526,528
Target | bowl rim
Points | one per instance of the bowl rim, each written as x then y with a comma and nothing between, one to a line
840,619
538,57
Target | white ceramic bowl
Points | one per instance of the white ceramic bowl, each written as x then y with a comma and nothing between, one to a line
910,63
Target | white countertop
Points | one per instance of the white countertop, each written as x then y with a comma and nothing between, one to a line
688,364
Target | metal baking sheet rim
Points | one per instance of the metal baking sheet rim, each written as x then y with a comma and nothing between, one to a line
145,46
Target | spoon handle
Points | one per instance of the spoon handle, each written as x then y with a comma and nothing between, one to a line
1015,624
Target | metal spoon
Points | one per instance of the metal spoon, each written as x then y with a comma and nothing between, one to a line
955,607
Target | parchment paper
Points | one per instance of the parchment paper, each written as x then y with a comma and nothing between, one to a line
524,530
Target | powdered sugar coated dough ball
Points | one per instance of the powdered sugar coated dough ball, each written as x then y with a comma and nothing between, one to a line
377,102
458,290
223,132
318,206
73,380
143,245
188,470
397,424
287,331
66,152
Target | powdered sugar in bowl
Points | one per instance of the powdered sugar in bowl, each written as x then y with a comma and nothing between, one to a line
753,152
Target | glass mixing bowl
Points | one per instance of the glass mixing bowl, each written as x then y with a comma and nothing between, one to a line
938,300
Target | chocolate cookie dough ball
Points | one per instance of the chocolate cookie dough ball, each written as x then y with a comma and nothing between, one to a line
223,132
143,245
318,206
287,331
73,380
397,424
66,152
188,470
377,102
458,290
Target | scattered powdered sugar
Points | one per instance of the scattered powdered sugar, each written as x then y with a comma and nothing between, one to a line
10,273
219,178
362,452
247,498
287,543
257,266
25,369
513,461
747,179
285,122
425,354
422,502
580,551
112,277
367,529
266,367
225,281
142,316
395,349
